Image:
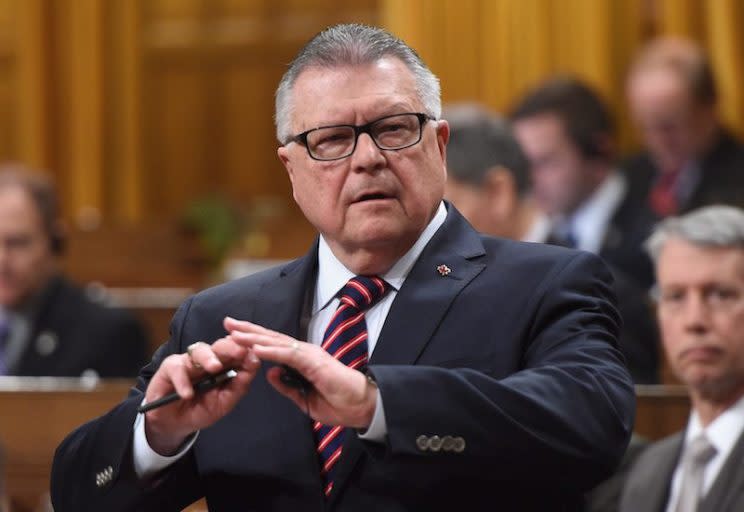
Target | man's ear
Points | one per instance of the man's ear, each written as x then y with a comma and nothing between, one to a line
443,135
284,157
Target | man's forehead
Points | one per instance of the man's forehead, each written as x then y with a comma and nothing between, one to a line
687,261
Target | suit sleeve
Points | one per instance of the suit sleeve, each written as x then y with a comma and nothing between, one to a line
563,420
93,467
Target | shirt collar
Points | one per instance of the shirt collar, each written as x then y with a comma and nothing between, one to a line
723,432
589,222
539,230
333,275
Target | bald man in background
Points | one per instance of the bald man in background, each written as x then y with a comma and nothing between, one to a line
690,159
48,326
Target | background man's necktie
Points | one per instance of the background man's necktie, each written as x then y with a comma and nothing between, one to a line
694,460
663,195
346,340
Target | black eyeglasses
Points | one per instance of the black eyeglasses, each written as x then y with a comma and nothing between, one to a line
389,133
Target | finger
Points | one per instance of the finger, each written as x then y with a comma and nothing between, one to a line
269,338
173,374
232,324
274,378
229,352
202,355
293,354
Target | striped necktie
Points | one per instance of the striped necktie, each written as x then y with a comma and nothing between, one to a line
345,339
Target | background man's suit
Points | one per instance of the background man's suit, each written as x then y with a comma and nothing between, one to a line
649,482
70,333
721,175
446,364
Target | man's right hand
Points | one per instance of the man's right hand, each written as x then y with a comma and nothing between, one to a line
168,427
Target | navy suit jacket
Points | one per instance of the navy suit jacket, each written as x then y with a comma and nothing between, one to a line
514,351
71,334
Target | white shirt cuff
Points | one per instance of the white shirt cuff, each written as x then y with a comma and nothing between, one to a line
377,430
147,461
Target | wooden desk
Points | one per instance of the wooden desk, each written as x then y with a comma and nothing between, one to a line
37,413
661,410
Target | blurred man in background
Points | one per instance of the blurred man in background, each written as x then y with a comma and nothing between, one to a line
488,176
47,325
690,159
700,270
488,181
567,133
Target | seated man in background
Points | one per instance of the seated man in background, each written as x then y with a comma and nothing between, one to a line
488,181
690,159
700,270
48,326
567,133
564,130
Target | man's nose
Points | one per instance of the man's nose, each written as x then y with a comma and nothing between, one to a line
696,314
367,156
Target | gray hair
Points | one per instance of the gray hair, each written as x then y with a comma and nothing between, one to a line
353,45
711,226
479,141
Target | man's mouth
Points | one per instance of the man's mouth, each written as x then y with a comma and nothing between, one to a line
372,196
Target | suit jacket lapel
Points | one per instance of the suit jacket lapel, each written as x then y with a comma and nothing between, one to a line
445,267
729,484
282,302
417,310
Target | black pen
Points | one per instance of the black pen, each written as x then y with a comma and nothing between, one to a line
202,386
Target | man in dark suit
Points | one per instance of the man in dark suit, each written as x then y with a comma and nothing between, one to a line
451,370
48,326
690,159
488,181
700,269
567,133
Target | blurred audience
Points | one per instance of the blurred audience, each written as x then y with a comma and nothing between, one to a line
700,270
48,326
567,133
690,158
488,180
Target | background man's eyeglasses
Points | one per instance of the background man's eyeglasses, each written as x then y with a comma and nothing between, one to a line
393,132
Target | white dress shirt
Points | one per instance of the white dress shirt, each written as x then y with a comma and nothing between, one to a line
723,432
589,222
332,276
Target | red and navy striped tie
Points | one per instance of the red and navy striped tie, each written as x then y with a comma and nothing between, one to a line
346,340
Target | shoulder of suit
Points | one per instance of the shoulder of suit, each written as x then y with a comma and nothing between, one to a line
660,450
245,286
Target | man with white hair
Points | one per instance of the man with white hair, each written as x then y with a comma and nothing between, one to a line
700,269
408,362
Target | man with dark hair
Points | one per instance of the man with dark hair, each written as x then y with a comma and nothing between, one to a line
405,363
567,133
488,175
700,270
690,158
48,326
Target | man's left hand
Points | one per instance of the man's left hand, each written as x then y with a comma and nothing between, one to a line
339,395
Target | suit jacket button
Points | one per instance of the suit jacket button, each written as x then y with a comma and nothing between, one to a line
435,443
448,443
422,442
459,445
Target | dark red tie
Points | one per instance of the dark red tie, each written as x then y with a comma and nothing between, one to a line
663,197
346,340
